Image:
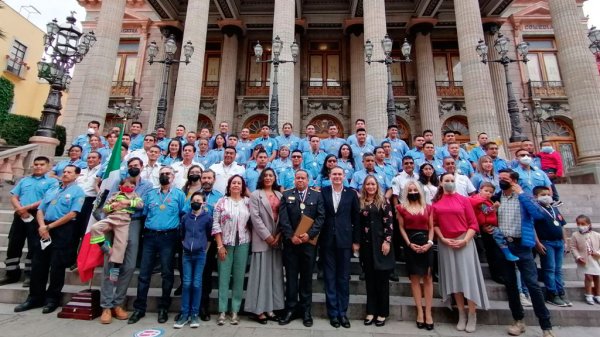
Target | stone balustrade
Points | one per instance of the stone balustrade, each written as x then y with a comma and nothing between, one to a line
16,162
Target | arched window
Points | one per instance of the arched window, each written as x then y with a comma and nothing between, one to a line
255,123
322,123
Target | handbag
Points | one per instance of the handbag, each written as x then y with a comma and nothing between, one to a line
418,238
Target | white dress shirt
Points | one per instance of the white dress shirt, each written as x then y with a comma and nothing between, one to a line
223,173
400,181
181,171
139,153
151,173
464,186
87,180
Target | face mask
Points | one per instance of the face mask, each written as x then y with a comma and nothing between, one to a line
127,189
545,200
133,172
504,185
91,131
163,179
525,160
195,206
413,196
547,149
194,177
449,187
583,229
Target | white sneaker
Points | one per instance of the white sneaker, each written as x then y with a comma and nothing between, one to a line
517,328
525,301
589,299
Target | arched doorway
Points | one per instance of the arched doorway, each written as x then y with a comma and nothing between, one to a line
562,137
460,126
403,130
204,122
322,123
255,123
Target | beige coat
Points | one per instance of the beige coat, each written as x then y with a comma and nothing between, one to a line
263,223
578,248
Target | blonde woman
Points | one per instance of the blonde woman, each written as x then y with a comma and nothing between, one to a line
416,228
376,250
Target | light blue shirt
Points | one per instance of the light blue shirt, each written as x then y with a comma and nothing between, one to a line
244,151
291,141
415,154
359,177
168,160
324,182
442,152
31,189
163,210
437,165
270,144
84,140
399,147
353,141
251,178
137,142
313,163
280,164
60,166
304,144
215,155
464,166
286,178
61,200
477,179
387,169
210,201
394,163
163,144
528,179
499,164
205,160
104,153
476,153
332,145
348,168
358,153
535,163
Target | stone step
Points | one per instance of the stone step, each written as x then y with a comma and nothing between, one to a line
401,307
6,215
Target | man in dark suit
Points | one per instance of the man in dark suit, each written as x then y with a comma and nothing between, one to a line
339,232
298,252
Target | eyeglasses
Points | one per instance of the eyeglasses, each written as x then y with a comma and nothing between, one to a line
332,161
296,156
148,140
408,163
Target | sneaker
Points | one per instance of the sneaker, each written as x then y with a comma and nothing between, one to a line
556,300
516,329
181,322
235,320
566,300
525,301
221,319
106,248
589,299
113,275
195,321
597,299
548,333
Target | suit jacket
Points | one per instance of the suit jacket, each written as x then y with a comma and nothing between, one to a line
290,212
340,228
263,222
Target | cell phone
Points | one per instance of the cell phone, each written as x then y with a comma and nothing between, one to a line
45,243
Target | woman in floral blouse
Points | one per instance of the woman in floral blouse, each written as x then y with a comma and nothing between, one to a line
376,250
232,235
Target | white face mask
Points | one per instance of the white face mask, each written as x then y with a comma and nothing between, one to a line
91,131
545,200
547,149
525,160
583,229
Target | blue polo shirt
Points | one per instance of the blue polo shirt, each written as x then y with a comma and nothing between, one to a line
291,141
163,210
31,189
387,169
313,163
60,166
476,153
304,144
104,152
280,164
163,144
395,163
359,151
166,160
251,177
348,168
270,144
464,166
84,140
243,151
359,177
399,147
415,154
60,200
332,145
286,178
137,142
209,201
499,164
437,165
206,160
477,179
216,156
442,152
528,179
353,141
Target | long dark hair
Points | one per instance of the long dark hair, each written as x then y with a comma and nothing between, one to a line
228,189
351,155
324,169
215,141
179,156
423,179
261,180
186,187
440,192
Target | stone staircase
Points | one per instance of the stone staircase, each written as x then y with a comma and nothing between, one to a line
577,198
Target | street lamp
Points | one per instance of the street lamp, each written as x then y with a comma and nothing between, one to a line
501,46
169,59
388,60
539,115
594,36
64,45
276,47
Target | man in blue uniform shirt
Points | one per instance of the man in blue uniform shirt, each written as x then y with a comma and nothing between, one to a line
93,130
251,174
529,175
244,147
361,147
417,151
313,160
288,138
137,138
332,144
369,170
353,139
25,199
268,143
287,176
399,147
429,157
56,222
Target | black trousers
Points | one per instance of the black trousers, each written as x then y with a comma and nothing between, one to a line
19,232
207,281
52,262
378,285
298,261
494,257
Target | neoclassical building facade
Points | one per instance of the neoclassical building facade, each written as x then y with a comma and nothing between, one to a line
445,87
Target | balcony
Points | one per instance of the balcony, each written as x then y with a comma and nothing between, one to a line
546,89
253,88
210,88
122,89
16,66
404,88
329,88
449,88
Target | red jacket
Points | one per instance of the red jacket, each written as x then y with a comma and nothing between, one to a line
484,211
552,161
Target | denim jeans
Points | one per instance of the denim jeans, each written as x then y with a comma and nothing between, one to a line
193,266
552,266
162,244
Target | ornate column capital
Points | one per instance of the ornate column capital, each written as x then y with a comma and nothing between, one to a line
491,25
421,25
232,26
354,26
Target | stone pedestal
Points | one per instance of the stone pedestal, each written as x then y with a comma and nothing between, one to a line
584,174
47,145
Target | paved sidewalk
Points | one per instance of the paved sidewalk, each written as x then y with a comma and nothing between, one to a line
33,323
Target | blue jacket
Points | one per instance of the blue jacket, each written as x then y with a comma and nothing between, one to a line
195,231
530,211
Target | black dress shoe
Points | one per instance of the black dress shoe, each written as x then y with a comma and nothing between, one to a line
394,277
135,317
429,326
379,323
361,276
162,316
307,320
420,325
345,322
49,308
204,315
334,322
272,317
286,318
177,291
27,305
259,320
369,321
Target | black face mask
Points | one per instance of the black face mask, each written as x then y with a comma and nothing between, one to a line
505,185
195,206
194,177
133,172
163,179
413,196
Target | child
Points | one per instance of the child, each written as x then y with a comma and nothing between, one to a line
585,247
118,208
550,243
487,216
195,230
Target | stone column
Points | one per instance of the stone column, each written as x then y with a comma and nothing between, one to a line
296,122
189,79
284,23
376,73
580,77
498,83
97,81
227,77
477,84
427,91
357,75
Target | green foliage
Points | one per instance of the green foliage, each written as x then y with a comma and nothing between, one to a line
17,130
7,93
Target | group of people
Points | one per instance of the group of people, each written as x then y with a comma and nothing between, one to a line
278,203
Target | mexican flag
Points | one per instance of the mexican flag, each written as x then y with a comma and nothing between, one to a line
90,256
